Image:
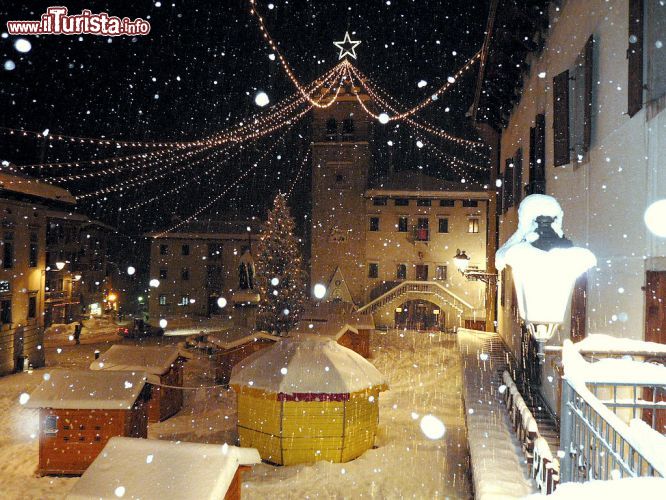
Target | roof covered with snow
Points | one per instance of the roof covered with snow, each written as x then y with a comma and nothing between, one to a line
417,181
88,390
32,187
154,469
307,365
156,360
599,342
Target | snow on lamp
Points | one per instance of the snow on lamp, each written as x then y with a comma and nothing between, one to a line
461,260
544,264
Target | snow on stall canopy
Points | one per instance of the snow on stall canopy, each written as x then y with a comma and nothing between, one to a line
313,365
88,390
31,187
174,469
156,360
236,336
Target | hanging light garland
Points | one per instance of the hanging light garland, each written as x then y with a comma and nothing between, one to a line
306,157
205,207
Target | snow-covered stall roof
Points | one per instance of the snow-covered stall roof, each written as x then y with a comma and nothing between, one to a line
88,390
309,364
335,327
154,469
156,360
236,336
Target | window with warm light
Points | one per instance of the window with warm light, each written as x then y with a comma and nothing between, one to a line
473,225
441,273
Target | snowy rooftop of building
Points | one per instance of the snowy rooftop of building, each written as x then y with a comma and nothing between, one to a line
154,469
317,313
236,336
32,187
309,364
88,390
156,360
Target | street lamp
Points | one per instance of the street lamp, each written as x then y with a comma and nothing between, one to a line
461,261
60,265
545,266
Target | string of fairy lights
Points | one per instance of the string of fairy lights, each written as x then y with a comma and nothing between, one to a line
197,160
216,198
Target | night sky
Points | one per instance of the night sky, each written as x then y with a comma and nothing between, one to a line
198,71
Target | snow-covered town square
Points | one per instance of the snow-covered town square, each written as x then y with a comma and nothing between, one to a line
377,249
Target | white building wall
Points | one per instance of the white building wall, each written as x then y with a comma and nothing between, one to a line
603,198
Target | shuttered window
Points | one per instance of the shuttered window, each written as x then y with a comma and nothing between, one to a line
537,160
579,309
508,184
561,119
656,47
580,102
518,176
635,58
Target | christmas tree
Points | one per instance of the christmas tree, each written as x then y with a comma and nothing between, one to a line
280,274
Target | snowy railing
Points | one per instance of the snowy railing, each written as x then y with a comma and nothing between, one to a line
425,287
595,442
543,467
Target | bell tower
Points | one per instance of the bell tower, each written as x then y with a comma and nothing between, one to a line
340,168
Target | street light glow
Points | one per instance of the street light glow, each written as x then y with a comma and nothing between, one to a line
319,291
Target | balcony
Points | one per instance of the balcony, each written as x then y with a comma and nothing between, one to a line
419,234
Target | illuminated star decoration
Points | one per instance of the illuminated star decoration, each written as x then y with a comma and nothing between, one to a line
347,42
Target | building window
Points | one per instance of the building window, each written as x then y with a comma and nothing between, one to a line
164,249
423,202
518,176
339,178
214,251
379,202
8,250
331,126
162,300
470,203
32,307
374,223
403,224
185,250
422,229
185,274
33,255
447,203
401,273
184,301
473,225
163,274
373,270
441,273
444,225
347,126
5,311
401,202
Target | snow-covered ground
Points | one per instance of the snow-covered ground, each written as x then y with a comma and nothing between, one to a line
424,376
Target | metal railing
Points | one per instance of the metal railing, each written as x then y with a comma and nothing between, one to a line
595,441
596,446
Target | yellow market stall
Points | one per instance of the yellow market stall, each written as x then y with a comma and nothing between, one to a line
307,399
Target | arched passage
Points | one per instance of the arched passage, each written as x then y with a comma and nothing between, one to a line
419,315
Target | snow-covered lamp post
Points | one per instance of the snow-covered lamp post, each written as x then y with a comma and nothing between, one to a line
544,264
461,260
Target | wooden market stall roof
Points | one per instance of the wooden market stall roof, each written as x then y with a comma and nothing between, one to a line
155,469
88,390
156,360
